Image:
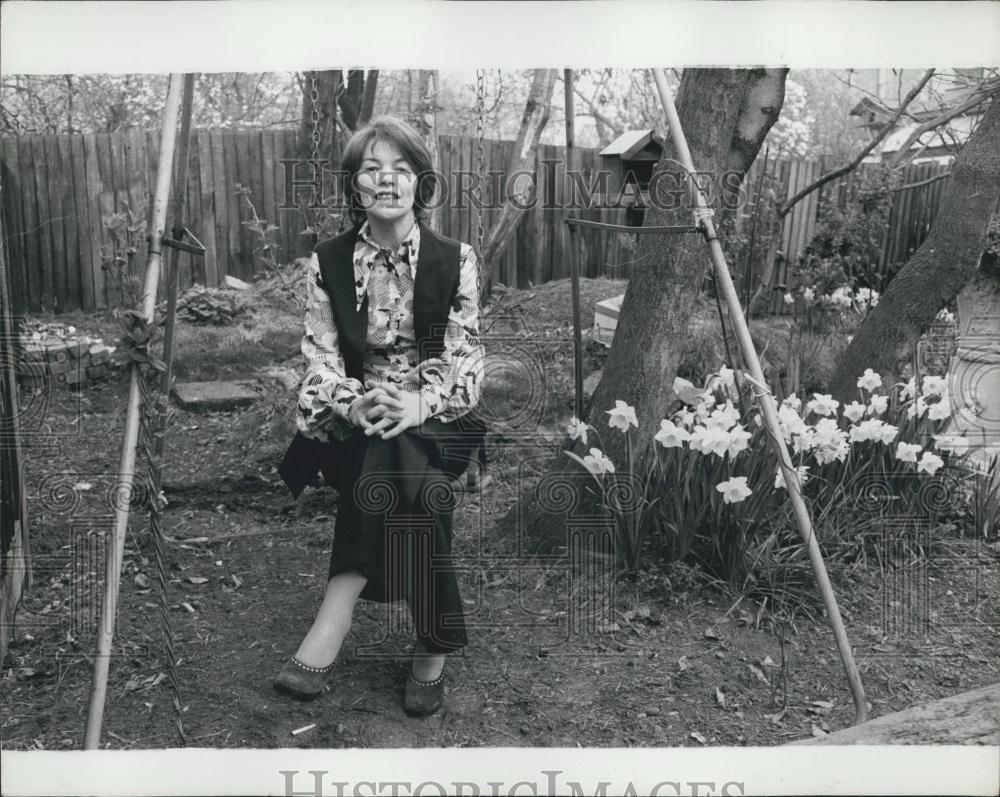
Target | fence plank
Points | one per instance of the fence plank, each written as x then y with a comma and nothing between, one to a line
53,191
14,224
256,196
269,198
43,219
221,199
204,266
189,266
71,237
82,202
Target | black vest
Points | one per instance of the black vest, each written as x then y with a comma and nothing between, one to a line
434,290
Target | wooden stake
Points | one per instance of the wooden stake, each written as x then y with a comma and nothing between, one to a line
574,263
724,282
180,192
126,468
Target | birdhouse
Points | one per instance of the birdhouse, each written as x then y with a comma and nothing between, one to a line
629,162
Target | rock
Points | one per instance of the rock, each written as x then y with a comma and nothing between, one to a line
213,396
238,284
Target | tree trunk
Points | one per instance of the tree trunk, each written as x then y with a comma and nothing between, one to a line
726,113
352,98
368,101
425,120
938,270
522,192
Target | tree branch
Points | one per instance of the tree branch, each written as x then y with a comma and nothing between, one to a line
786,206
977,97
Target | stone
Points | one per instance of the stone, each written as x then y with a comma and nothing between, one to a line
97,371
238,284
102,355
213,396
77,350
58,366
73,377
34,353
55,354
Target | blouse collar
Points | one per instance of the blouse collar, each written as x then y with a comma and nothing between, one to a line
410,243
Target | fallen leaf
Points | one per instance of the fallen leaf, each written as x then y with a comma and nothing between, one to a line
697,737
188,607
758,673
83,486
776,718
141,581
823,703
710,633
720,696
818,732
682,663
768,662
237,581
196,579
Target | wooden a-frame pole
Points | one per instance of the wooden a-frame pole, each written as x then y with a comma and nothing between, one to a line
724,283
126,467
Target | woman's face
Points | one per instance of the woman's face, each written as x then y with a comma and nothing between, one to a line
386,182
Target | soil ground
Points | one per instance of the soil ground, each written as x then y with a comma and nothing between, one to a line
556,658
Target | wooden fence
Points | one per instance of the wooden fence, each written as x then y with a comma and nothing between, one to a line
58,192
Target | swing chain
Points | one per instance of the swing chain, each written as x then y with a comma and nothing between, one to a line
314,118
314,115
480,155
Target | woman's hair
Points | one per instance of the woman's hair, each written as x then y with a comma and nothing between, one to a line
408,141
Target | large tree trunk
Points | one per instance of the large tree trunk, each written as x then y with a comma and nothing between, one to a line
940,268
523,190
726,114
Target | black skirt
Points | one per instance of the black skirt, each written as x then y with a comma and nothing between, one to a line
394,526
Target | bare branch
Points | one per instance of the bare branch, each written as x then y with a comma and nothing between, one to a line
785,207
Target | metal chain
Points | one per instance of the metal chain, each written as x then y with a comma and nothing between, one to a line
480,160
314,100
314,118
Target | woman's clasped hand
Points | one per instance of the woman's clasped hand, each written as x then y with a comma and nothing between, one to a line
388,411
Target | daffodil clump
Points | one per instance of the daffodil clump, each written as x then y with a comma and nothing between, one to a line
714,484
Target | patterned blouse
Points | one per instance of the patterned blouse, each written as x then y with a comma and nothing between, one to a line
450,385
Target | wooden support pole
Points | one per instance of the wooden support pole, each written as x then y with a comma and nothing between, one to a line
574,260
180,192
724,282
126,467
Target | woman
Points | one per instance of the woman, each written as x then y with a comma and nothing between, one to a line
394,366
